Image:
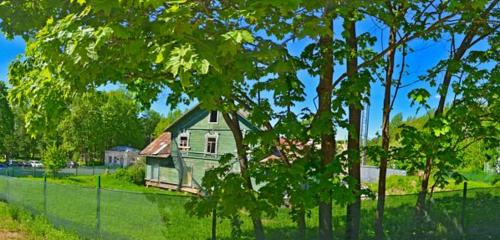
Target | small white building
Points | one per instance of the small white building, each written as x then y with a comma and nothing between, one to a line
120,156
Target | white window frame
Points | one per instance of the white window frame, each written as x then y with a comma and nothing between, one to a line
183,134
211,135
210,115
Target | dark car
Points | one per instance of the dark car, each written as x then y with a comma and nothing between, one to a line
15,163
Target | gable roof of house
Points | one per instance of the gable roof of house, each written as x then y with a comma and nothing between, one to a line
176,121
242,114
124,149
160,147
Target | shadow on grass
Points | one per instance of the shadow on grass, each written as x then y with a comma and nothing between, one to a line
443,219
128,215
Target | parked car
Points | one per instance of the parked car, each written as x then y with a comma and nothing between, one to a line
2,166
72,164
15,163
36,164
25,164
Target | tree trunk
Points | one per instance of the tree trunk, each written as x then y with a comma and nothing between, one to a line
379,228
301,225
353,209
324,91
234,124
443,92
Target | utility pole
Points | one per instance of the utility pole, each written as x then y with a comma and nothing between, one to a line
365,122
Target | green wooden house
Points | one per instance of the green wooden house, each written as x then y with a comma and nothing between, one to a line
179,158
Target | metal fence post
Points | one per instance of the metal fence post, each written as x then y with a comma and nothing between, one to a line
34,172
45,194
214,224
7,188
464,202
98,213
76,171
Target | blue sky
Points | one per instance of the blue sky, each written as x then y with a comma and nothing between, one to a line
426,55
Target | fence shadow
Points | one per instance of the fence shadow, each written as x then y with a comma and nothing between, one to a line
132,215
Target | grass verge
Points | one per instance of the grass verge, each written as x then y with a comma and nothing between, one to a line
16,223
399,185
108,181
142,213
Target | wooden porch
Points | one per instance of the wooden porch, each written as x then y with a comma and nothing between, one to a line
170,186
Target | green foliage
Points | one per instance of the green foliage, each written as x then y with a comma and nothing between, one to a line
97,121
54,159
224,54
225,191
164,122
149,121
474,153
121,117
134,173
6,121
20,143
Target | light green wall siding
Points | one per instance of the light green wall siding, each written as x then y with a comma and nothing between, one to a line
196,124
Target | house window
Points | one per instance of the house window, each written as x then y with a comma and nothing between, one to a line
184,140
213,117
168,162
211,145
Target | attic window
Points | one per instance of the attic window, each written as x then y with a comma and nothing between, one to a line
213,117
184,140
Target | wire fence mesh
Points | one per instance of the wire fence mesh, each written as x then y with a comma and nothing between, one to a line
95,213
39,172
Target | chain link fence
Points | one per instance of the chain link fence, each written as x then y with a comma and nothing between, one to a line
99,213
39,172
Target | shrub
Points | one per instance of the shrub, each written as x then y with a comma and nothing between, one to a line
53,159
134,173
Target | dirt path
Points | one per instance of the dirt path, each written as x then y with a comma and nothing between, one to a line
10,235
9,228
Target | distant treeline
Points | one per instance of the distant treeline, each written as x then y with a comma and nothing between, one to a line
87,126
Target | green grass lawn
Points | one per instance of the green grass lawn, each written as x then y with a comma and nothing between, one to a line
129,211
108,181
19,224
399,185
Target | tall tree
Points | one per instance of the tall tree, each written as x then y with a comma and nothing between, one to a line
379,230
225,48
353,216
233,121
83,130
324,116
120,115
474,27
395,18
97,121
6,122
149,120
166,121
